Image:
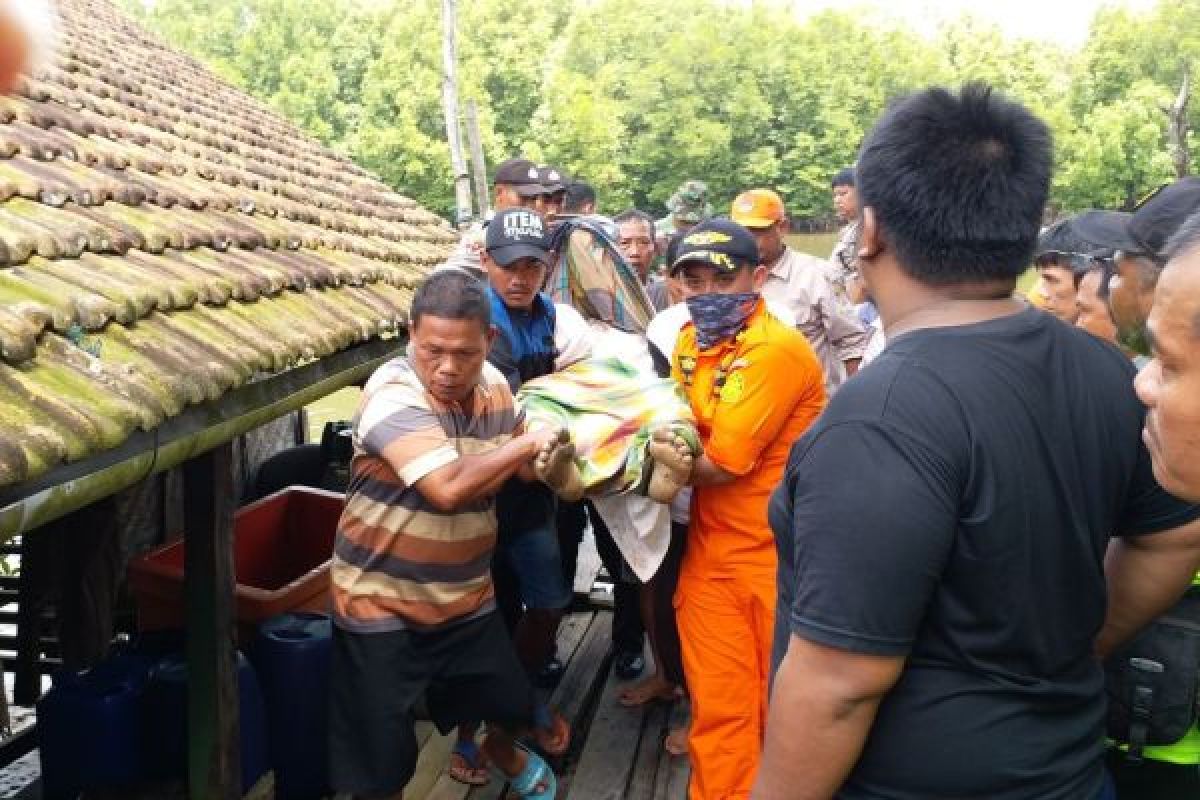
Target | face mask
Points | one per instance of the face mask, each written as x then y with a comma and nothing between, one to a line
718,317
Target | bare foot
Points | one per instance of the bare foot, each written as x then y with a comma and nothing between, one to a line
672,465
654,689
555,466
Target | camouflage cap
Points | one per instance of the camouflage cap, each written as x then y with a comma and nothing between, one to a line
690,202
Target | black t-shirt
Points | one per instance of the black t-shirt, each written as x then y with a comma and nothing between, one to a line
953,505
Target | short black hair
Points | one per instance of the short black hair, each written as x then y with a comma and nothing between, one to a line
843,177
579,193
957,183
452,293
1184,241
635,215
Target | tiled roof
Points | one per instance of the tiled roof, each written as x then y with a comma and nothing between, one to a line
164,238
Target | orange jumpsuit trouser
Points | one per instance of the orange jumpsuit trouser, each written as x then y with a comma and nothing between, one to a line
725,629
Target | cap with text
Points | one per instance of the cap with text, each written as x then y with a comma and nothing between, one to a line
718,242
517,233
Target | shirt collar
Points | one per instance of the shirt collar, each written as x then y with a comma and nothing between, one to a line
782,268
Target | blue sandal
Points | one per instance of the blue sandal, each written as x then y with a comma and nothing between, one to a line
473,758
536,772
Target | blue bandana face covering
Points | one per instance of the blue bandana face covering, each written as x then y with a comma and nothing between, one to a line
718,317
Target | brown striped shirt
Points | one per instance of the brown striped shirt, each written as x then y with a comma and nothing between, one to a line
399,562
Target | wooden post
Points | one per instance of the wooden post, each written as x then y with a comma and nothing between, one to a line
31,599
214,763
462,182
478,165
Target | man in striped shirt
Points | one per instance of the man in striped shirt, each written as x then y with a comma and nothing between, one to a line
435,437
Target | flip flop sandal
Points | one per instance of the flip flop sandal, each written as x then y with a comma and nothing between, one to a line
536,773
470,754
556,725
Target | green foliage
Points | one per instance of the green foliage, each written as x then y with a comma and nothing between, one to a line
638,95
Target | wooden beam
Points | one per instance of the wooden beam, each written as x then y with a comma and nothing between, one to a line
214,770
30,505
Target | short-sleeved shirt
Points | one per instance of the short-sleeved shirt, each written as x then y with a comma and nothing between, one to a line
398,561
953,506
803,284
771,389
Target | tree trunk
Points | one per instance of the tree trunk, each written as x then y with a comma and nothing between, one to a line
1177,128
478,165
462,182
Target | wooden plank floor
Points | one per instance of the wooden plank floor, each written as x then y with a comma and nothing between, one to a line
616,753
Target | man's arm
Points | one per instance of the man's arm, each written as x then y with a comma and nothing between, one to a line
1146,575
706,473
470,478
822,706
846,333
745,425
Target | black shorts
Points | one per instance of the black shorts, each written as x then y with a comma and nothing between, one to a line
467,672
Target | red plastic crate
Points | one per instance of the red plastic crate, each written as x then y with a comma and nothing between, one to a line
282,547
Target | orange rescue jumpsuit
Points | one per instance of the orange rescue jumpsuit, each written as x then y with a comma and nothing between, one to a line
753,396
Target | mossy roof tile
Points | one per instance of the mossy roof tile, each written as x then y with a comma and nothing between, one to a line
164,238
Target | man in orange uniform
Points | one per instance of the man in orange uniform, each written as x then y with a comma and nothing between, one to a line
755,386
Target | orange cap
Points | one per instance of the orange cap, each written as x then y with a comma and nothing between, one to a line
757,208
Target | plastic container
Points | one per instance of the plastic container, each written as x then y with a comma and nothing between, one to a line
282,546
164,720
89,728
291,655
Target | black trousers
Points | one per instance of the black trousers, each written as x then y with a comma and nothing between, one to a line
628,632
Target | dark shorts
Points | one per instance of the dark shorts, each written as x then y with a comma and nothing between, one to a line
467,672
533,556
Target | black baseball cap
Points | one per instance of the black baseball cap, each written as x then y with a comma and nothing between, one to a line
552,179
516,233
1147,228
719,242
522,175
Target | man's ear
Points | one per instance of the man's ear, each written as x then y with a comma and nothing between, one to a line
759,276
870,239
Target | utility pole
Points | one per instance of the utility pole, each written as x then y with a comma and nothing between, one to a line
462,182
478,166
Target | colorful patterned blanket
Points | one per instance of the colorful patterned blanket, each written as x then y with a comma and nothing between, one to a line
610,409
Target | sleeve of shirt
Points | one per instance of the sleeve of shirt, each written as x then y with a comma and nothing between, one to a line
573,339
745,425
1148,508
873,517
409,437
846,333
